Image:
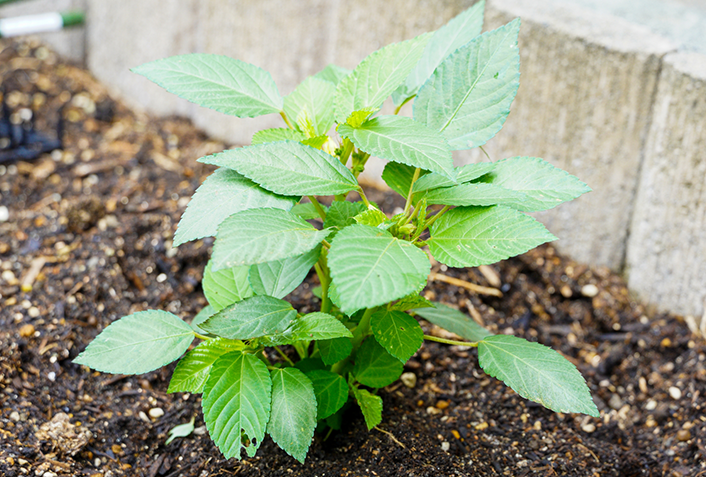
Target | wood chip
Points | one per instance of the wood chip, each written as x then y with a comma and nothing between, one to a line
472,287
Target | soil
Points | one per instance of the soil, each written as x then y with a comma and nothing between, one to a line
86,239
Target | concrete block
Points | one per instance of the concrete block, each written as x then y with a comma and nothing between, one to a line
587,86
70,42
666,260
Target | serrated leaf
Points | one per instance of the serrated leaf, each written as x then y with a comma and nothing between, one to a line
473,236
342,212
377,76
468,194
331,392
263,235
462,174
374,366
312,326
275,135
138,343
236,403
333,351
401,139
333,73
192,370
222,194
281,277
293,416
399,177
316,142
397,332
314,98
543,185
225,84
370,405
203,315
288,168
370,267
182,430
457,32
307,211
454,321
536,372
469,95
226,286
371,217
410,302
251,318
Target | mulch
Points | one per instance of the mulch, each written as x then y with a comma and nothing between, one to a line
86,237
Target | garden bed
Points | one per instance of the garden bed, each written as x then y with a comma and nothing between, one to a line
88,240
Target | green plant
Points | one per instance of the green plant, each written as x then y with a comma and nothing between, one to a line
371,267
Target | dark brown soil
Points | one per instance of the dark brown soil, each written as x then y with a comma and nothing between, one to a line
88,240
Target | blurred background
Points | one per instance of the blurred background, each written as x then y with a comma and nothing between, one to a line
612,91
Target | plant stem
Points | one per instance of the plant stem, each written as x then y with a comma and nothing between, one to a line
397,109
201,337
286,358
325,243
471,344
408,204
347,149
317,206
286,120
362,196
363,328
486,154
325,281
361,165
437,215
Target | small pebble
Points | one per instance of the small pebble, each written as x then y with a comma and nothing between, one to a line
49,474
482,426
675,392
26,331
9,278
143,416
4,214
156,412
683,435
445,446
589,290
651,405
566,291
589,427
432,411
200,431
409,379
615,402
33,312
14,416
442,405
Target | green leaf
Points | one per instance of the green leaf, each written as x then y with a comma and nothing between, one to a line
374,366
192,370
251,318
399,177
263,235
138,343
281,277
342,212
276,135
378,75
536,372
371,217
226,286
313,326
447,39
479,194
461,174
288,168
543,185
293,416
409,302
333,351
469,96
331,392
401,139
454,321
236,403
356,118
473,236
316,142
333,73
370,405
370,267
307,365
203,315
217,82
312,99
222,194
397,332
307,211
182,430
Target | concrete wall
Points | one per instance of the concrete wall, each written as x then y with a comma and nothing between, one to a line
611,90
